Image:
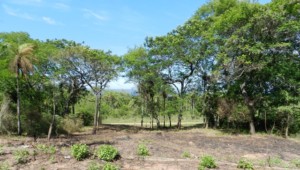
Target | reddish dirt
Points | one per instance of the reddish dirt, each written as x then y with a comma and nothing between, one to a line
166,149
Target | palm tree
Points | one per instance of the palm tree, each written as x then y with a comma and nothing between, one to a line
22,65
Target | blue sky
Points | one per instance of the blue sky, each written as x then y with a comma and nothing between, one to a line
114,25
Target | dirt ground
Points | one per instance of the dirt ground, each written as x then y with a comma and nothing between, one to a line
166,150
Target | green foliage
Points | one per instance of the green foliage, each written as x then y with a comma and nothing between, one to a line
245,164
1,150
142,150
110,166
186,154
46,149
21,156
274,161
72,124
107,152
296,162
207,161
4,166
79,151
94,166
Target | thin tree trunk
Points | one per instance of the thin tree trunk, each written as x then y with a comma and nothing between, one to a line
18,106
52,121
266,122
99,112
96,114
170,120
286,134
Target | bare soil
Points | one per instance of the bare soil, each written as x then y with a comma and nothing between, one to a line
166,149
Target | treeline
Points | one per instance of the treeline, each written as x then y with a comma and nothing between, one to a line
240,59
234,62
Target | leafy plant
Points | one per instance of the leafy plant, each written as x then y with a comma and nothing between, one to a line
79,151
46,149
245,164
186,154
94,166
142,150
296,162
1,150
207,161
110,166
21,156
107,152
274,160
4,166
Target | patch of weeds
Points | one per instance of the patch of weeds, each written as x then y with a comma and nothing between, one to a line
142,150
186,154
94,166
46,149
107,152
207,161
245,164
79,151
1,150
21,156
110,166
274,161
4,166
296,162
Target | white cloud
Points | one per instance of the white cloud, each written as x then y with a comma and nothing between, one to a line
61,6
17,13
49,20
99,16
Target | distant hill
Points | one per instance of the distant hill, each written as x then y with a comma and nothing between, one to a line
131,91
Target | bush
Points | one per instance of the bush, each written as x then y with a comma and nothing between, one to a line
46,149
71,124
107,152
186,154
94,166
1,150
109,166
4,166
79,151
142,150
21,156
207,162
244,164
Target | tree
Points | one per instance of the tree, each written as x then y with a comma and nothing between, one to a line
95,68
22,66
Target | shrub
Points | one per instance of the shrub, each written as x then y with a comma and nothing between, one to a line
109,166
142,150
107,152
21,156
244,164
4,166
186,154
79,151
72,124
46,149
207,161
1,150
94,166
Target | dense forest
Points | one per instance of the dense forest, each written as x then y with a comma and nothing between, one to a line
235,63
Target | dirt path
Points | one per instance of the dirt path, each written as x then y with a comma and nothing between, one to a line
166,150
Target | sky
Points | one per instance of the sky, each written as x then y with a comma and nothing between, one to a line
114,25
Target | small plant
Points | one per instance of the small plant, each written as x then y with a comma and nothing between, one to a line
109,166
245,164
1,150
21,156
274,160
79,151
94,166
107,152
207,161
296,162
4,166
142,150
186,154
46,149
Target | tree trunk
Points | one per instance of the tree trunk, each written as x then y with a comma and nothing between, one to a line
96,114
99,112
170,120
52,121
18,106
286,133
